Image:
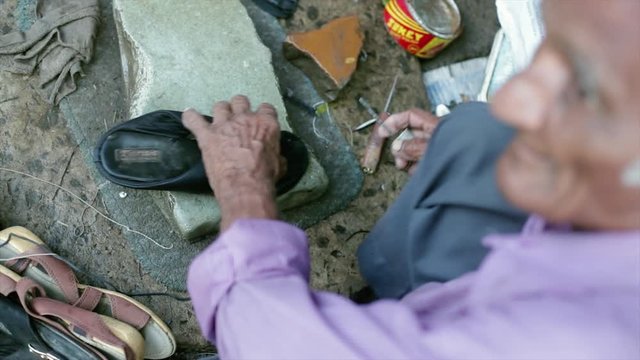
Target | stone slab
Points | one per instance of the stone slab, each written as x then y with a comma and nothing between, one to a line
99,103
192,55
173,60
196,215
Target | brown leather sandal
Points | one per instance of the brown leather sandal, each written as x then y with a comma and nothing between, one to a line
111,337
25,253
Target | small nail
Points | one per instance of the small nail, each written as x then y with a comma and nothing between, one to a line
187,109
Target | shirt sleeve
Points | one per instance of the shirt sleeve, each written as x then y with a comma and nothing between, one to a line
251,296
252,299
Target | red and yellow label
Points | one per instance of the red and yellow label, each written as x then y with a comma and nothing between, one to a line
409,33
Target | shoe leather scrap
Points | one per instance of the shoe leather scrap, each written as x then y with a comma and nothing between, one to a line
329,55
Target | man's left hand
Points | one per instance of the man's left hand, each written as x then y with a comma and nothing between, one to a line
241,154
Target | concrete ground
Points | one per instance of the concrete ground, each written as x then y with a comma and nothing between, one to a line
34,140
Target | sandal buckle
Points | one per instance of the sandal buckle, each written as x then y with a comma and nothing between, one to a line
41,354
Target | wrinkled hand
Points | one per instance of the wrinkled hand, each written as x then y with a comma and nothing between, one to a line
241,154
408,152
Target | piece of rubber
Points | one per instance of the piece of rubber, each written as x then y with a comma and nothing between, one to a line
154,151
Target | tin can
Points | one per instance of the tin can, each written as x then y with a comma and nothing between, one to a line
423,27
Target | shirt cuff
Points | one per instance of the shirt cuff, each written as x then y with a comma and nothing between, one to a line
250,249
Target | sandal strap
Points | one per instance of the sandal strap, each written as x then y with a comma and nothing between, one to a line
86,322
125,311
57,269
65,279
26,286
18,265
7,285
89,299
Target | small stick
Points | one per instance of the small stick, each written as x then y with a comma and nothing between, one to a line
64,172
9,99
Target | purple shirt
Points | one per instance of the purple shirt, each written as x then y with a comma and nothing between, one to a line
537,295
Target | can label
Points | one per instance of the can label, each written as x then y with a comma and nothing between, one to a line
407,32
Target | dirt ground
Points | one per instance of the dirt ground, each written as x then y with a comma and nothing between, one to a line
35,141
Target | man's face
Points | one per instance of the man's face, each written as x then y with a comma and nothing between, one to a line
577,111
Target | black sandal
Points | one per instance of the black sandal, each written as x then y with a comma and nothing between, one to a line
154,151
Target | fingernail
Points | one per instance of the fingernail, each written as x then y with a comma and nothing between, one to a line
187,109
396,146
384,127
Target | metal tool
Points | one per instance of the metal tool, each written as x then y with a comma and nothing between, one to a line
376,142
365,124
365,104
391,94
406,134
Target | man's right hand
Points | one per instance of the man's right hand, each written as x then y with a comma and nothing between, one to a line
408,152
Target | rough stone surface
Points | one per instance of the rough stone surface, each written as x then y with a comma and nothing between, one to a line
170,62
328,55
199,214
192,56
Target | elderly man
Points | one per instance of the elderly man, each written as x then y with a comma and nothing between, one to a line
566,286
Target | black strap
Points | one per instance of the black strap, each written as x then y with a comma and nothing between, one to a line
8,346
18,339
278,8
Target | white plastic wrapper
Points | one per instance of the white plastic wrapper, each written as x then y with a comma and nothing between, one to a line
523,26
513,48
514,45
456,83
